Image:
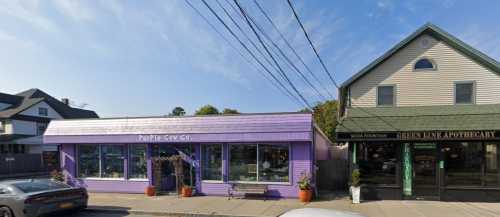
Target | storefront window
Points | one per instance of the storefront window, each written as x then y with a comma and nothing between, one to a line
211,162
492,173
263,163
112,161
88,163
137,162
243,163
463,163
378,163
273,163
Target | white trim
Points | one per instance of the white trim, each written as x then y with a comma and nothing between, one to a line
394,93
212,181
138,180
474,86
102,179
433,62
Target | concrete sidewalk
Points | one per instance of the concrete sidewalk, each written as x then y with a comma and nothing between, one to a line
220,206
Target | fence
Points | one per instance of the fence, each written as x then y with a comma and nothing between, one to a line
333,173
11,164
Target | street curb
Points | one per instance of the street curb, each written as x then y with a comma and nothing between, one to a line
153,213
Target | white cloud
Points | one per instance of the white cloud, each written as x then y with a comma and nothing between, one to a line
484,39
27,11
75,9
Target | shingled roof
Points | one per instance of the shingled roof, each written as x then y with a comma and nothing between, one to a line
24,100
421,118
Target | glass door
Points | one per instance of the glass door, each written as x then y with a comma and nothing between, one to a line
424,165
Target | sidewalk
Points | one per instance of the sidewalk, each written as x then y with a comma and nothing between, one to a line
220,206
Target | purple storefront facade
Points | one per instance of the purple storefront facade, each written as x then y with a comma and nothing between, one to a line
115,154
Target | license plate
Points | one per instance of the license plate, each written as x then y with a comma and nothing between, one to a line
65,205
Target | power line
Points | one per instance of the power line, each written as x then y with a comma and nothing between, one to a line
247,37
289,62
284,56
270,55
247,49
239,52
291,48
312,46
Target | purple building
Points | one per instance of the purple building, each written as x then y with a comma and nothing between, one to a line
116,154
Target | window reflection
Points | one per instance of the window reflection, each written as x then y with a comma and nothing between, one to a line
211,162
273,163
462,162
377,163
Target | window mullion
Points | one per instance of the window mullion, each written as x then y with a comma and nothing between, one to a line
258,163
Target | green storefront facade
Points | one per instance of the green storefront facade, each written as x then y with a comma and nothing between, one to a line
427,152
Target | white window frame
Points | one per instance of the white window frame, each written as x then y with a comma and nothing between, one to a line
434,65
100,164
257,176
2,126
394,98
129,160
222,164
45,113
473,100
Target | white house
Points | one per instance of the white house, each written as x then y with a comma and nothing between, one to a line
24,118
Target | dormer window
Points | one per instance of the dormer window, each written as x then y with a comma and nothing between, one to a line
424,64
43,112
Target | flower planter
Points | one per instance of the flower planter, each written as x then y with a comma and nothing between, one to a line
187,191
150,191
355,193
305,195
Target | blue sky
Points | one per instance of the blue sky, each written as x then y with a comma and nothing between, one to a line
134,58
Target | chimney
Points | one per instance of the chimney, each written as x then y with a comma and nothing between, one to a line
65,101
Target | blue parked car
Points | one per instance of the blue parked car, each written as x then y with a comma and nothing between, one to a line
38,197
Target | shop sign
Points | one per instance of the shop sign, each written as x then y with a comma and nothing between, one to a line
447,135
423,135
164,138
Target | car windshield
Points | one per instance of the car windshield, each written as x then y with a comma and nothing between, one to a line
39,185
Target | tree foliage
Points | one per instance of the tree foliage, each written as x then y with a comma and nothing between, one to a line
230,111
207,110
178,111
325,116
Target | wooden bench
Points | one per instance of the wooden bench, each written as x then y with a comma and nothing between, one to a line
244,188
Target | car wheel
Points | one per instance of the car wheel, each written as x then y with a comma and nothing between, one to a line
5,212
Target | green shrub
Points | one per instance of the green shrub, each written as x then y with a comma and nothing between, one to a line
355,178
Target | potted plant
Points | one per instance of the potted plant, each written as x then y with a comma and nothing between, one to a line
187,191
150,191
355,186
57,175
305,193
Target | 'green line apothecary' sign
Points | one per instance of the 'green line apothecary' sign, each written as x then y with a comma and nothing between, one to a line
407,170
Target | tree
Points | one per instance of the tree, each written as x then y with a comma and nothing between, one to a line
207,110
325,116
230,111
177,111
